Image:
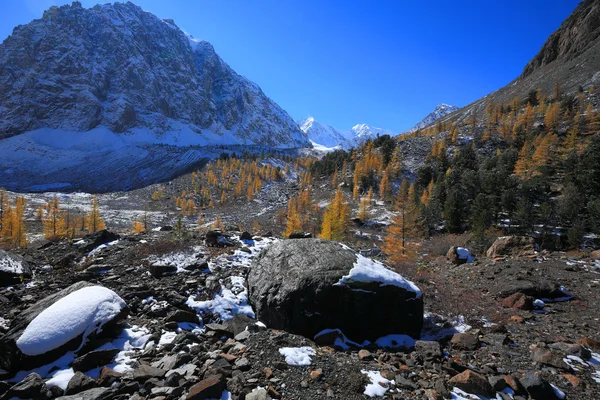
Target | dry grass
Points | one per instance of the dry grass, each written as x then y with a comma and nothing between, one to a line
439,245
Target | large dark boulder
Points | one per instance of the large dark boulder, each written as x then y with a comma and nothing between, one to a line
13,269
13,358
303,287
96,239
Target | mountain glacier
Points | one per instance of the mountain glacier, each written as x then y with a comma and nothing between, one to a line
326,137
440,111
116,68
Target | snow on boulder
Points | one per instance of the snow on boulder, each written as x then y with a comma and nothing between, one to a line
13,269
69,320
459,255
308,286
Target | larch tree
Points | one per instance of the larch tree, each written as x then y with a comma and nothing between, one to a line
19,237
401,242
94,221
335,218
53,220
293,222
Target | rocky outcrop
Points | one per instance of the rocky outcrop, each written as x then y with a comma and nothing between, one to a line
13,358
118,66
511,245
307,286
13,269
571,39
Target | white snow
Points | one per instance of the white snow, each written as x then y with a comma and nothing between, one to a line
297,356
10,265
342,341
4,323
375,388
396,341
559,393
464,254
539,303
227,302
80,313
367,270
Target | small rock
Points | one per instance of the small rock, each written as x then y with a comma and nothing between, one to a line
79,383
429,350
316,375
472,382
145,372
537,387
518,300
208,388
94,359
365,355
465,341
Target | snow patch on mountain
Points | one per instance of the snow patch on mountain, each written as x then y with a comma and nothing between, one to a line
440,111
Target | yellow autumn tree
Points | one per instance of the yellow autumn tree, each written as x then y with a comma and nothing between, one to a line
385,188
335,218
293,221
403,234
53,220
94,221
137,226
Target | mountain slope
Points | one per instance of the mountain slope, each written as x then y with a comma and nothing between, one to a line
118,67
440,111
570,57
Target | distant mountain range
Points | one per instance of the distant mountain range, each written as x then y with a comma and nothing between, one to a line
326,138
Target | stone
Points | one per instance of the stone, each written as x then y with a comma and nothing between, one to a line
258,394
498,383
518,300
183,316
365,355
79,383
159,270
293,286
511,245
300,235
32,386
432,394
90,394
145,372
93,359
209,388
572,379
316,375
515,384
472,382
549,357
243,364
429,350
465,341
537,387
217,239
96,239
13,269
245,236
242,336
590,343
454,256
273,393
11,357
108,376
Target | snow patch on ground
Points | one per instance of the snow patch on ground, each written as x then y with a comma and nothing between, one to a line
378,386
227,302
396,342
367,270
80,313
181,260
297,356
11,266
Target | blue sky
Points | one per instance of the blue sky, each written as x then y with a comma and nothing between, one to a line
385,63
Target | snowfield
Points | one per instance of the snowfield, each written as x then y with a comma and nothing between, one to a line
80,313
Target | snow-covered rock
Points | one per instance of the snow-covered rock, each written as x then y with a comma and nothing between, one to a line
13,269
65,321
307,286
440,111
297,356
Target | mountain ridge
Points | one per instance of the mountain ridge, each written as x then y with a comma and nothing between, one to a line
326,136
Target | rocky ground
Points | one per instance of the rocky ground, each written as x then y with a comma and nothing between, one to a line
190,331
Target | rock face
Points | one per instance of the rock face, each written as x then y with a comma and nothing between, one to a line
13,269
121,67
307,286
19,337
575,35
72,82
511,245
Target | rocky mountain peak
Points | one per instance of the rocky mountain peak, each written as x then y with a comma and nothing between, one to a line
574,36
440,111
118,66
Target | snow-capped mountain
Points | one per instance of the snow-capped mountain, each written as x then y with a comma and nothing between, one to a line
440,111
327,137
322,134
116,68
